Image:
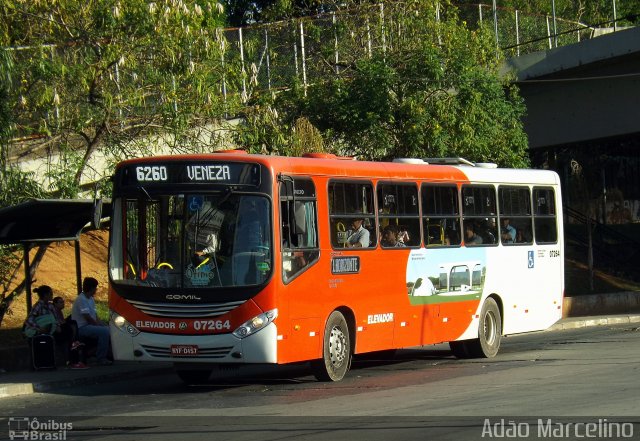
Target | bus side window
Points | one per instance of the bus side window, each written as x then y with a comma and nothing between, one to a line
515,215
545,223
299,233
441,215
479,213
398,208
352,219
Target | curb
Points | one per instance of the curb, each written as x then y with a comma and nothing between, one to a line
15,389
584,322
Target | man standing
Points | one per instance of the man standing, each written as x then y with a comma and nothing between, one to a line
89,325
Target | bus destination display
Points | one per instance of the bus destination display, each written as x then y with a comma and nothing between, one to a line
191,173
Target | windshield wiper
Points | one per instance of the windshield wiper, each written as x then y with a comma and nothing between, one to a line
228,192
144,190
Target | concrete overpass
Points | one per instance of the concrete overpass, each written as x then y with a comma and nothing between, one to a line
582,92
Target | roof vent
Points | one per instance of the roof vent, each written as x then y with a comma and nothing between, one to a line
327,156
409,161
486,165
449,161
319,155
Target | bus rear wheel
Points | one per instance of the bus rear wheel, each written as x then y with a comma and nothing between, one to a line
489,332
336,350
194,376
489,335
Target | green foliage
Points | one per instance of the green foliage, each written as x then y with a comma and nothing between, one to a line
247,12
105,73
102,311
263,130
62,174
18,186
590,12
424,97
5,118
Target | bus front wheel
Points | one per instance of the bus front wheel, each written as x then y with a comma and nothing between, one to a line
336,350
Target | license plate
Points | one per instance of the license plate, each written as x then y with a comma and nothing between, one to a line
184,350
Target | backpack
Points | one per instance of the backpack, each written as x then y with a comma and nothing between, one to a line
43,321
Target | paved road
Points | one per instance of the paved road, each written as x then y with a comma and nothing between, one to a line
591,373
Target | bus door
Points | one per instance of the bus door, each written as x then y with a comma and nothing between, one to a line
300,252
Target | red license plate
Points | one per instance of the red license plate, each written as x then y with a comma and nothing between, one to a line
184,350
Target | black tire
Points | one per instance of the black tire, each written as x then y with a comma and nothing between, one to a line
336,350
489,332
194,376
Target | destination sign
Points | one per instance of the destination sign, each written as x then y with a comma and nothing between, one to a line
190,173
345,265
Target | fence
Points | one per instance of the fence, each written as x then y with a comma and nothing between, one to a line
307,49
279,55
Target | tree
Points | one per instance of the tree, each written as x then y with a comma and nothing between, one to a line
432,94
247,12
119,76
590,12
89,74
16,187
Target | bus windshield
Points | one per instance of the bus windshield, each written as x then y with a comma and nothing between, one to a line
191,240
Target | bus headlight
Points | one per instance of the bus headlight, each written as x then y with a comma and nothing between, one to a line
255,324
122,324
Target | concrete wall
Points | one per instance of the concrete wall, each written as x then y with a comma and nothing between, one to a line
584,91
602,304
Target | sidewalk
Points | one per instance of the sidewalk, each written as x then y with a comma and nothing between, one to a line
29,382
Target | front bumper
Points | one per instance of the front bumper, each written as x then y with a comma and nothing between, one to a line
260,347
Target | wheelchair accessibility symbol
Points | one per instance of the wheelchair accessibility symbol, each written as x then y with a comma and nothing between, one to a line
196,203
531,261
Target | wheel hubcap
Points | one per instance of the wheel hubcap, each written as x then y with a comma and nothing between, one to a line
337,346
490,328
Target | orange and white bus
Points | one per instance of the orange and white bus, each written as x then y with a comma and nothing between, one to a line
231,258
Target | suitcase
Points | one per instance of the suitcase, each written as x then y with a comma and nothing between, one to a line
43,352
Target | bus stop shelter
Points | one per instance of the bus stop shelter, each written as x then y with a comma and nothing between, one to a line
39,221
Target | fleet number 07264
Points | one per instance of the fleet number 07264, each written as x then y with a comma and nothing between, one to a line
151,173
211,325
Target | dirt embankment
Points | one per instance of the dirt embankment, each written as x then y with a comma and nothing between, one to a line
58,270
